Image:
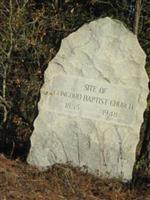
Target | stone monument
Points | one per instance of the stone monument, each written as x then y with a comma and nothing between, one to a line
92,102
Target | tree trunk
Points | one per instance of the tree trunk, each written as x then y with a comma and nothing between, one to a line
137,16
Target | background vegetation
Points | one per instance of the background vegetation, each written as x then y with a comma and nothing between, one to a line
30,35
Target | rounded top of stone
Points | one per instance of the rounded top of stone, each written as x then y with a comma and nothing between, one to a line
102,49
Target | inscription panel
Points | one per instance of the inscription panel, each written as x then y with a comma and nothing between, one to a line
87,98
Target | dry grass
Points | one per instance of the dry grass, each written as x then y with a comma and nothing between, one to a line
19,181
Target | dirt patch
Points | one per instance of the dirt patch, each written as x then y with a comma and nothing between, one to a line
19,181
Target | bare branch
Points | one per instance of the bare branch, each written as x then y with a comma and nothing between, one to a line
3,98
10,28
4,102
25,3
4,94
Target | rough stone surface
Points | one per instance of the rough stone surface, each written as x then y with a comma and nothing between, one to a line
95,132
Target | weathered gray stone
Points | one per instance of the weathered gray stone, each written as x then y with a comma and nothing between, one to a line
92,101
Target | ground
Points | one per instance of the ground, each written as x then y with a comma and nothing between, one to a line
20,181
